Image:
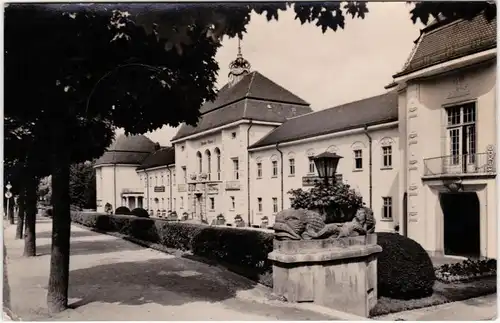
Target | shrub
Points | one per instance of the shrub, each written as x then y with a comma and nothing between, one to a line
48,212
100,221
140,212
338,202
404,269
248,248
122,210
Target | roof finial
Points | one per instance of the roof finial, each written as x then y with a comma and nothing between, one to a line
239,48
239,67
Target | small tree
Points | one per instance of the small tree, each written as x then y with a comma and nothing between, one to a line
338,202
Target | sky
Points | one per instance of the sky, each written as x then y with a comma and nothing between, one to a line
324,69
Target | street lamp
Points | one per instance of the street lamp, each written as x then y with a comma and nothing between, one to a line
326,164
8,195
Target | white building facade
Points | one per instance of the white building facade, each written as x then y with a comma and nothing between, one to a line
421,155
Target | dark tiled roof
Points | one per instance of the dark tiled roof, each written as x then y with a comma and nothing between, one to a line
162,157
256,110
127,150
447,40
245,100
371,111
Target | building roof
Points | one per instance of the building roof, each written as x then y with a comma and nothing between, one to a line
445,40
371,111
127,150
162,157
245,100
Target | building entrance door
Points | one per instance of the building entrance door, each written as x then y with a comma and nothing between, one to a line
461,218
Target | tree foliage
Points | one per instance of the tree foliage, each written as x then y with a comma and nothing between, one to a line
82,185
338,202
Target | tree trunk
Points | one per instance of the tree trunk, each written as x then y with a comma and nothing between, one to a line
20,216
11,211
30,205
57,297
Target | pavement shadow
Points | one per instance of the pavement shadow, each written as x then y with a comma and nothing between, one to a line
161,281
74,234
90,247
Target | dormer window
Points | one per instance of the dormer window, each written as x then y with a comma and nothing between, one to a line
233,135
182,148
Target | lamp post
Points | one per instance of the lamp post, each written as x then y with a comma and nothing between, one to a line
8,195
326,164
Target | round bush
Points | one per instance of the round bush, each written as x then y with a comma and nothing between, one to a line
122,210
404,269
140,212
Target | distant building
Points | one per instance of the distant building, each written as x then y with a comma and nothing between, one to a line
421,155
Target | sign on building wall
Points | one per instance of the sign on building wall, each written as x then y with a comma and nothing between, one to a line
159,189
212,188
312,180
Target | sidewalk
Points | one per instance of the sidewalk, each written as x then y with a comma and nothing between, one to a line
475,309
112,279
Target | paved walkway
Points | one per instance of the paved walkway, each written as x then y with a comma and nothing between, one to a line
112,279
475,309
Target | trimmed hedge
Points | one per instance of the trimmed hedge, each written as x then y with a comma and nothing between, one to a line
404,268
122,210
140,212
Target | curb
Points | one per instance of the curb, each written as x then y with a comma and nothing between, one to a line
334,314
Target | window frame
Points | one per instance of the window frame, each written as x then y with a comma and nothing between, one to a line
275,205
274,167
356,158
387,157
291,166
387,208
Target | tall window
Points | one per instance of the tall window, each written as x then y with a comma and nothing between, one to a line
145,181
387,156
174,207
168,204
184,174
212,203
387,208
312,168
233,203
275,168
209,163
200,162
291,163
259,204
162,203
461,129
236,169
182,202
161,179
168,179
156,180
150,181
275,205
259,170
217,153
173,178
358,159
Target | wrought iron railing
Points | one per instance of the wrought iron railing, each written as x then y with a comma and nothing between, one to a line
483,163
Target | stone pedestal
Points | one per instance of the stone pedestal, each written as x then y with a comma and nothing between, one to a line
337,273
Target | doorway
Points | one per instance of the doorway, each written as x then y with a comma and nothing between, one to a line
461,224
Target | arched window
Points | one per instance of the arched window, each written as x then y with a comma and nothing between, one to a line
217,154
200,162
209,163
